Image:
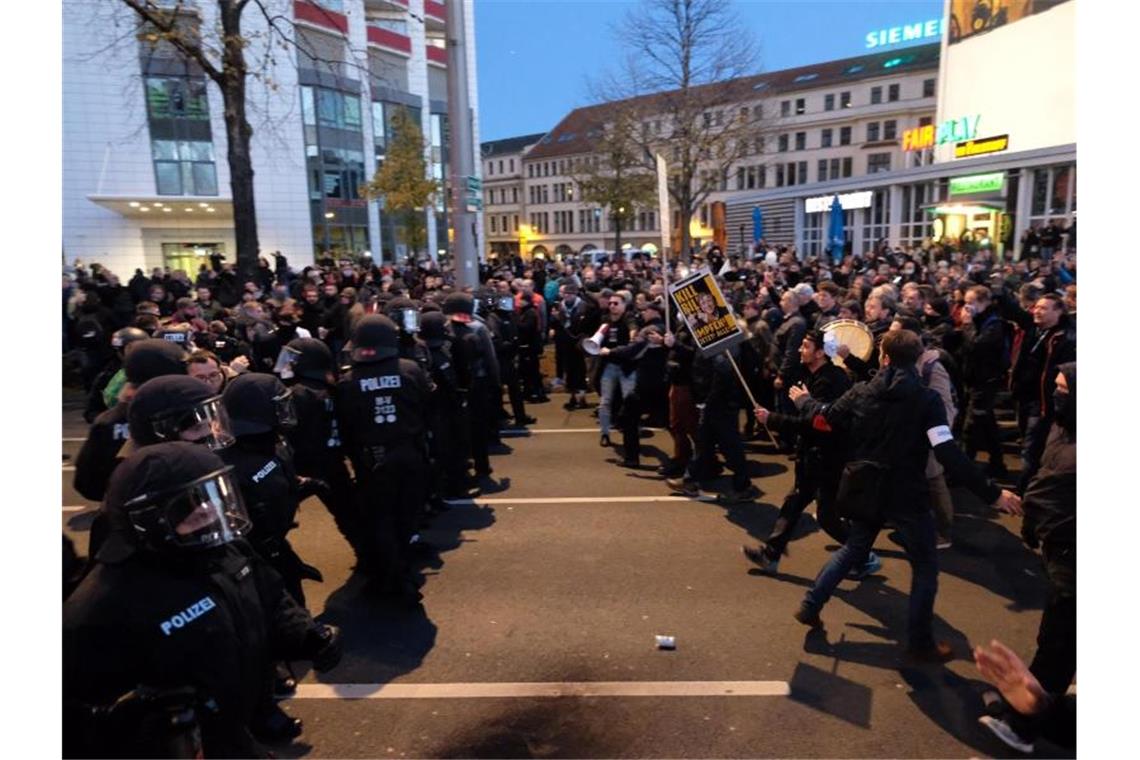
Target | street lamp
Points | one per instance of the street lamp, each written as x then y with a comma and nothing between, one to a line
617,228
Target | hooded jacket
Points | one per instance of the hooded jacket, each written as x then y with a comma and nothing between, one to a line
1050,500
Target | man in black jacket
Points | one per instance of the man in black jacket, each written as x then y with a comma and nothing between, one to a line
179,608
819,461
986,358
890,423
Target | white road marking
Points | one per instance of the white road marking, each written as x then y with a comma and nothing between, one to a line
574,500
80,508
533,690
74,440
520,433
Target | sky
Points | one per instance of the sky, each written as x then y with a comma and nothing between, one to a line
534,56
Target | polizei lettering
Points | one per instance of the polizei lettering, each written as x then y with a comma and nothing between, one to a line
269,467
381,383
188,615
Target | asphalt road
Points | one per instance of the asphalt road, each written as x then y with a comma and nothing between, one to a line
570,594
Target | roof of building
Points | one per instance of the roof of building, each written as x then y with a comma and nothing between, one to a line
579,128
509,145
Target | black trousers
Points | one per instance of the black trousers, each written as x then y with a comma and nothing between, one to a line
574,364
484,425
530,372
392,496
339,500
1055,663
511,377
981,428
818,482
719,428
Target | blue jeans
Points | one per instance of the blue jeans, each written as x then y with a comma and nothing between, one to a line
612,376
919,537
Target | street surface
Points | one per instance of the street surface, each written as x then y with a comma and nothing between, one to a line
536,636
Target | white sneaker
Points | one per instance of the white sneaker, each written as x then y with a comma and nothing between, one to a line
1005,732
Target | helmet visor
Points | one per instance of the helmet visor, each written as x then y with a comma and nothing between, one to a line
206,423
286,358
285,409
205,513
409,320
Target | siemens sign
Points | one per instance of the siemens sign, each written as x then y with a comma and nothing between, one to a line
918,32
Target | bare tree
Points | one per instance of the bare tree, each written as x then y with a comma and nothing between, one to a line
614,176
687,82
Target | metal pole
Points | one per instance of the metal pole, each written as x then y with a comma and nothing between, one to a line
460,148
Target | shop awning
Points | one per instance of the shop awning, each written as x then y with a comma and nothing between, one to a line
182,208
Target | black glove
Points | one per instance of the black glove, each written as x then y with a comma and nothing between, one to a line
322,646
307,487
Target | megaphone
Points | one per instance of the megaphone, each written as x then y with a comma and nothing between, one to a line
593,344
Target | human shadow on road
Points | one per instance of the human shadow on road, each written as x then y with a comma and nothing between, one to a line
382,640
832,694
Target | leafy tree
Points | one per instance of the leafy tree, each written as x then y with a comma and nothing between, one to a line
402,185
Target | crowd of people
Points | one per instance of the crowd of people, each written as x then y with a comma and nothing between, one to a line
217,405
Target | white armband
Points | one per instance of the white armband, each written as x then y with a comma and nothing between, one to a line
939,435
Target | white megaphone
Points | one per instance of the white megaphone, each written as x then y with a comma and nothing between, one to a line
593,344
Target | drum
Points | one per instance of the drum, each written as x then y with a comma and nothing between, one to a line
848,332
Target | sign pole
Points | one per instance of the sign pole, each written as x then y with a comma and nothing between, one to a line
747,390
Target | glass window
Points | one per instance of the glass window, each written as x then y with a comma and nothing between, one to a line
928,88
1059,202
829,102
308,110
847,167
165,150
327,108
878,162
332,184
785,107
352,111
876,95
801,140
800,106
825,138
782,144
845,135
801,172
890,129
821,171
845,99
168,178
1040,192
892,93
205,179
835,168
873,131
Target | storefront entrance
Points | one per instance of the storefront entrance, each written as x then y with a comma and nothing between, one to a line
977,224
189,256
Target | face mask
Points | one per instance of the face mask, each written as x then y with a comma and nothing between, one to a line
1063,409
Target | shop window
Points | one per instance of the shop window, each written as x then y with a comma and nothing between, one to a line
1040,192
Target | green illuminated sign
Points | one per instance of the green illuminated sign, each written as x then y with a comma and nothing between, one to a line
977,183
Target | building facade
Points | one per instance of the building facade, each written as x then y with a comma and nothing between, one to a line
1003,146
813,126
504,206
145,179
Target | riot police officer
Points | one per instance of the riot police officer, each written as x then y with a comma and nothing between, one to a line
109,382
308,371
261,410
450,427
168,642
502,322
383,406
474,356
145,359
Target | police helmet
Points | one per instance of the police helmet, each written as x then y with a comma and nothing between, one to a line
175,498
308,358
374,339
258,403
459,307
120,339
178,408
433,329
181,336
152,357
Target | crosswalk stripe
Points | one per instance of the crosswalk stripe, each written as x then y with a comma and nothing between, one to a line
542,690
